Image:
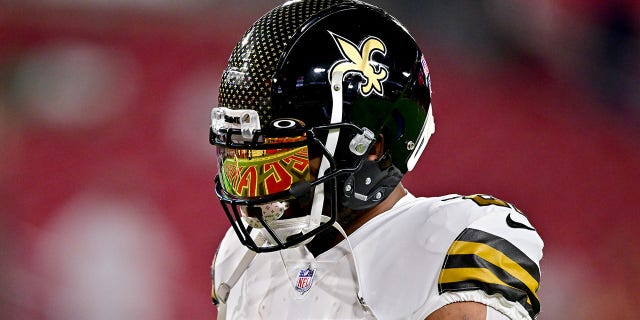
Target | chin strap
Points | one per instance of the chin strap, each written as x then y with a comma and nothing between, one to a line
224,288
363,303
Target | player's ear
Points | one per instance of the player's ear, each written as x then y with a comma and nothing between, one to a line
377,150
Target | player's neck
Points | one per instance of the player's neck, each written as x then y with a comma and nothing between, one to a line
353,221
361,217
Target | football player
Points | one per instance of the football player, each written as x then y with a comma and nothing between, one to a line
323,107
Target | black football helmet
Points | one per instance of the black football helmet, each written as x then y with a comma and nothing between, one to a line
308,90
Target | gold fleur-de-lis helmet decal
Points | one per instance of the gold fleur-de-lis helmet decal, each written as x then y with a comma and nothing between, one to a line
360,60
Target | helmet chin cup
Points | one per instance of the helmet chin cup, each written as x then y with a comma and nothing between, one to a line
270,214
285,229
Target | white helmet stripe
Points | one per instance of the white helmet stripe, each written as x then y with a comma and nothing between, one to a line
428,128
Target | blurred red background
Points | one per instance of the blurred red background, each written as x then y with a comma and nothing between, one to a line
107,208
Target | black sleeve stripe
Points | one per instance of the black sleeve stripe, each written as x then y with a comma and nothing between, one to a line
482,263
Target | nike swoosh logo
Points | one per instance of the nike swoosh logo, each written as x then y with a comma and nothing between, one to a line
517,225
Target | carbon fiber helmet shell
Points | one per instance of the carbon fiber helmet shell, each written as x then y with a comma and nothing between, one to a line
293,61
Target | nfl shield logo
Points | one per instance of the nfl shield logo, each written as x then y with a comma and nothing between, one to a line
304,280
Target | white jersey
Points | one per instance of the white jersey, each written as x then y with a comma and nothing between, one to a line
411,260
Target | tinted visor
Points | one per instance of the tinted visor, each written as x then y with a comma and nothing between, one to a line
251,173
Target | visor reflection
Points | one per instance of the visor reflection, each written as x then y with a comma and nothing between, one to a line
255,173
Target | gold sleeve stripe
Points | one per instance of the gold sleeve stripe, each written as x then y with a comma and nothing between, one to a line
496,258
478,260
